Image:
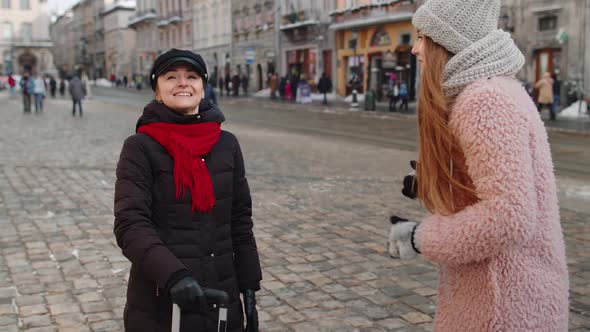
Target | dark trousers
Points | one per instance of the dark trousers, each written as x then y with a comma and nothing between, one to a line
392,103
325,98
74,102
404,104
27,102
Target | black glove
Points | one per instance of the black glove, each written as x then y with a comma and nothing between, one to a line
410,189
251,312
188,294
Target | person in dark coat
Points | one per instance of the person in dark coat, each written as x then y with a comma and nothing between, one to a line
62,87
77,91
183,211
325,86
227,84
52,86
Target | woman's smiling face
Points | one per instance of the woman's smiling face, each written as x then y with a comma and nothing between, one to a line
181,89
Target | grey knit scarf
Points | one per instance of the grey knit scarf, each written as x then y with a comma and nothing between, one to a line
494,55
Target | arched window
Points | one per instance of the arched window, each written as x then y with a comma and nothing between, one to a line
380,38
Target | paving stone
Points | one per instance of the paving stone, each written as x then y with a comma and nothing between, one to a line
63,308
324,261
416,317
32,310
36,321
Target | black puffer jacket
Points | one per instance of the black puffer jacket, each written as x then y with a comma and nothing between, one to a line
165,240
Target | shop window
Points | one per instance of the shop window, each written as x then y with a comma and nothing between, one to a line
547,23
380,38
406,39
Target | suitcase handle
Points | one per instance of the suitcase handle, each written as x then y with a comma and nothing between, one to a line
215,298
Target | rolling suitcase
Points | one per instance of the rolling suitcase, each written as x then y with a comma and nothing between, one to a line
217,299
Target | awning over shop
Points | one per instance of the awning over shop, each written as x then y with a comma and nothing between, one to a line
368,21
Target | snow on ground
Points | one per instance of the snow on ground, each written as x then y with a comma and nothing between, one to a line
573,110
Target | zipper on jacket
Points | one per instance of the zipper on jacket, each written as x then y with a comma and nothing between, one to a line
157,290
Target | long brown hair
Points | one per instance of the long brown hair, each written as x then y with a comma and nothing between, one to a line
444,186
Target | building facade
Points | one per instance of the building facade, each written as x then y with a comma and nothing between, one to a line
119,39
553,35
212,36
63,38
25,42
147,35
374,39
175,23
305,41
254,41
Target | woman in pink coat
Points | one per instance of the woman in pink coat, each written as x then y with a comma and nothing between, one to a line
486,174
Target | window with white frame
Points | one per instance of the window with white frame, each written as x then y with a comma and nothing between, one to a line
26,31
25,4
6,31
6,4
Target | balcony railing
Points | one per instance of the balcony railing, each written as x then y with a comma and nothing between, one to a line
144,16
173,17
297,20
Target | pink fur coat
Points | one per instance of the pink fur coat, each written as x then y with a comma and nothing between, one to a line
502,260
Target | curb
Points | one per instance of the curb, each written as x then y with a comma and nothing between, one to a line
337,109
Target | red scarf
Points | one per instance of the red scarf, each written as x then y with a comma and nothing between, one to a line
187,144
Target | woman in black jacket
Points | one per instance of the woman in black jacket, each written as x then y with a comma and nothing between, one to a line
183,208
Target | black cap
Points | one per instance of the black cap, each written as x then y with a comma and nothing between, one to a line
174,56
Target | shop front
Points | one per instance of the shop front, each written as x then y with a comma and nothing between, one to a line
375,56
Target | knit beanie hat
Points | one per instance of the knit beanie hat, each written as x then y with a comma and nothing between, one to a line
456,24
469,30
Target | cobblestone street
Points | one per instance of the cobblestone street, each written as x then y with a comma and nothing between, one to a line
321,201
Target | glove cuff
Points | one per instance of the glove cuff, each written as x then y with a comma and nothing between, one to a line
413,239
174,278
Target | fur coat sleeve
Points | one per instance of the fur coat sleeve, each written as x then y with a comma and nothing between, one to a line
495,141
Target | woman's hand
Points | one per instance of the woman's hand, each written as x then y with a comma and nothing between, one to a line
401,238
188,294
251,312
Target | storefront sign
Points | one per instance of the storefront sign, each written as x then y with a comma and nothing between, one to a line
389,60
250,56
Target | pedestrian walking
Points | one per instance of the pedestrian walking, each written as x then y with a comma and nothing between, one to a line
87,88
62,87
27,89
12,86
403,96
183,211
393,94
39,92
556,96
545,99
485,172
210,95
236,85
77,91
221,83
288,91
227,84
125,81
245,81
282,84
325,86
52,86
273,84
